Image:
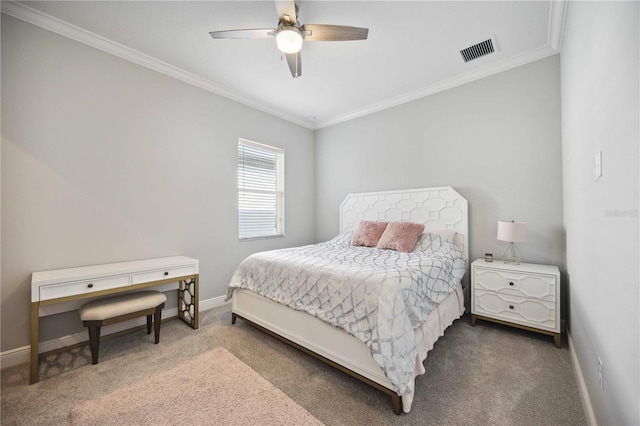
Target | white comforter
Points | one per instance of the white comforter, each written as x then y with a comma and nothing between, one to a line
378,296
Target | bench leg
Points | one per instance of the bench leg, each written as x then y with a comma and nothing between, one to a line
157,320
94,339
149,317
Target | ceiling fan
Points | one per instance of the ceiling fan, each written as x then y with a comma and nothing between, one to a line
289,34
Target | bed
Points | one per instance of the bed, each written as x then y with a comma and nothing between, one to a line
342,342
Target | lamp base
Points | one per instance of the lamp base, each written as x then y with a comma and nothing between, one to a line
511,255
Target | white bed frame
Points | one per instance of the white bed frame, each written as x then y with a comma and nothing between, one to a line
437,208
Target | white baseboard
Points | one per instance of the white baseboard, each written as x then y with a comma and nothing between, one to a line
582,386
23,354
214,302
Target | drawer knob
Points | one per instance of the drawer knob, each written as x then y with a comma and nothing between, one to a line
90,285
510,306
166,273
510,283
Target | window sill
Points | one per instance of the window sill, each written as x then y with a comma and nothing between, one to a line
261,237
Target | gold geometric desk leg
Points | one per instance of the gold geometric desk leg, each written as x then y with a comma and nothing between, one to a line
188,301
196,305
35,364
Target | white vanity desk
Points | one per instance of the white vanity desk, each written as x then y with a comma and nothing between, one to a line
64,290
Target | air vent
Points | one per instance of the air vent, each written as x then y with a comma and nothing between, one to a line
477,50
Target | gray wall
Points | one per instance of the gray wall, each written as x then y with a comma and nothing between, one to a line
103,161
496,141
600,83
106,161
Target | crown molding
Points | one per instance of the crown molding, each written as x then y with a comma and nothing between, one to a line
557,11
50,23
507,64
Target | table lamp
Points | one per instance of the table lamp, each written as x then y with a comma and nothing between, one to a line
512,232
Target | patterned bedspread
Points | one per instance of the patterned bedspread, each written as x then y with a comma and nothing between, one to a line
378,296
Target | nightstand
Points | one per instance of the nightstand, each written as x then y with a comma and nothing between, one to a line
526,296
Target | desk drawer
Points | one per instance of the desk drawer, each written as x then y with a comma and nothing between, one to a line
163,274
55,291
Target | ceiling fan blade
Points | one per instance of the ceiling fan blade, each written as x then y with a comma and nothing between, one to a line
295,64
321,32
287,8
254,33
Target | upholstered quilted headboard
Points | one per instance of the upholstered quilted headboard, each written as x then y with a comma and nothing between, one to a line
438,208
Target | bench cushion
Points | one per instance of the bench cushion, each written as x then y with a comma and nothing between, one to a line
110,307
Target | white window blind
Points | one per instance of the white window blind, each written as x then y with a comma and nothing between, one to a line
260,190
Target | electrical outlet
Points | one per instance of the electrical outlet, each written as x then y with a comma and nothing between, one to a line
600,372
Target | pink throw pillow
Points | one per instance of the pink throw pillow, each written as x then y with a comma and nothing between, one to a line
400,236
368,233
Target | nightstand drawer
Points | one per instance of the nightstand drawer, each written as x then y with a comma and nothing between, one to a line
535,313
160,274
529,285
55,291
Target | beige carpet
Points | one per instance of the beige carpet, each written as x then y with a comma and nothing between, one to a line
487,375
212,388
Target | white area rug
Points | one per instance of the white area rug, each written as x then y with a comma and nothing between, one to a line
214,388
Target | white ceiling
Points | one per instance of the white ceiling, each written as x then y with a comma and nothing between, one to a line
412,49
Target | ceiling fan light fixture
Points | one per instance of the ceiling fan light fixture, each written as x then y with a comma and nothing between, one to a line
289,39
290,34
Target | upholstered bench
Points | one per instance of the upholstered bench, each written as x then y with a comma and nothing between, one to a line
111,310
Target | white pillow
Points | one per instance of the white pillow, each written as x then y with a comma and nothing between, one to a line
447,234
432,240
342,239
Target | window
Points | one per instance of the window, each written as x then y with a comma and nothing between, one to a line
260,190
